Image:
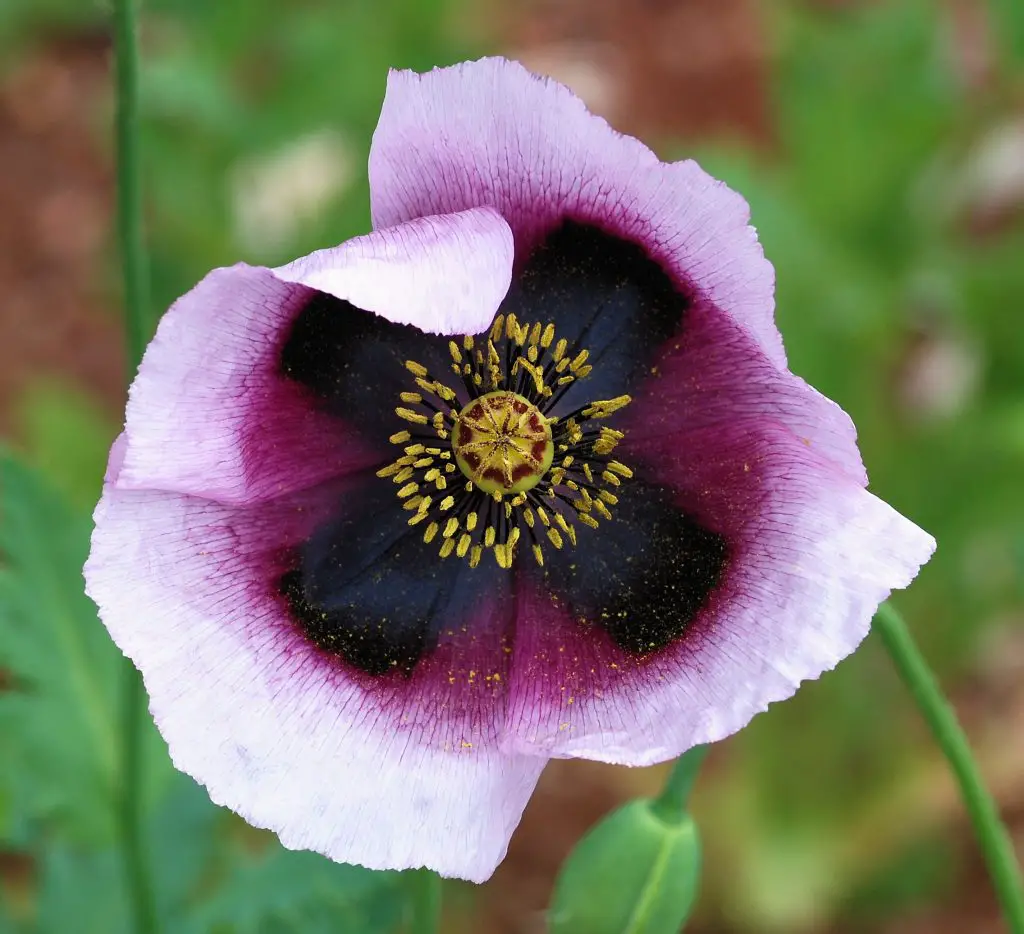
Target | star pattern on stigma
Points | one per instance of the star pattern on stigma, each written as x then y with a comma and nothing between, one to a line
503,470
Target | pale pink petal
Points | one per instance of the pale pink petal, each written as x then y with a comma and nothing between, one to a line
491,133
713,374
388,772
812,556
210,412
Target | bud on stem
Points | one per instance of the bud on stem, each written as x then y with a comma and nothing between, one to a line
637,871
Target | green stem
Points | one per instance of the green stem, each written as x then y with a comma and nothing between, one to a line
136,304
129,183
670,805
425,902
989,829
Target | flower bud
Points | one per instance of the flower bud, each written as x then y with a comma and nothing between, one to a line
636,872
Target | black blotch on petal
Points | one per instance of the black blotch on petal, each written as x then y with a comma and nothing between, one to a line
368,589
644,575
605,294
354,360
362,636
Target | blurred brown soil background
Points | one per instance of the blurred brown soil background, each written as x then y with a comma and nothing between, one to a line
655,68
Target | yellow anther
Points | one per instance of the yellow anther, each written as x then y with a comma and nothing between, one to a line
578,456
579,359
605,407
410,416
535,371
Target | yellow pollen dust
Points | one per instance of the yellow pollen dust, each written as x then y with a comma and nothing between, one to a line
503,443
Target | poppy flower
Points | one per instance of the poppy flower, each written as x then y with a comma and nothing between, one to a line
522,474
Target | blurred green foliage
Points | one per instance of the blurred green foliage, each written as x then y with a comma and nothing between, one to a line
864,206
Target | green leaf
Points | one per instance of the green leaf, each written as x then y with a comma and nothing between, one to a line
285,890
57,719
66,438
1008,17
183,847
81,890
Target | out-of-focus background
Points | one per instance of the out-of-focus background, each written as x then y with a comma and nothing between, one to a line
881,146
